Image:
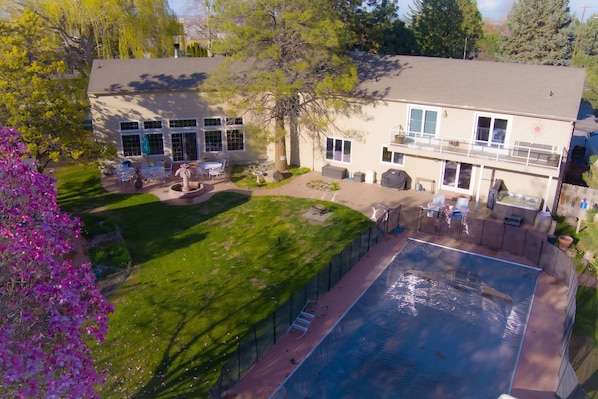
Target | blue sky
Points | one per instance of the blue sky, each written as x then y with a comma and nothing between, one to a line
490,9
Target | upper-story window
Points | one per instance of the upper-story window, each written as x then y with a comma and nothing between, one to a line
491,130
423,121
338,149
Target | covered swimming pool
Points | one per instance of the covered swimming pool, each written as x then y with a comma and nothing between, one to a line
436,323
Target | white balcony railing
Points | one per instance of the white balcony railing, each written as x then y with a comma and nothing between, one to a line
547,156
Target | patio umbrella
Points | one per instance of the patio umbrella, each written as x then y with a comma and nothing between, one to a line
145,147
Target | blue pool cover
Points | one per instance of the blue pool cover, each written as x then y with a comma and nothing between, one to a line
436,323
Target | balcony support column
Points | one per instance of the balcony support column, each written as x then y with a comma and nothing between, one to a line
547,193
478,188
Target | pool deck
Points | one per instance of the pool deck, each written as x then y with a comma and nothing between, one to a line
537,372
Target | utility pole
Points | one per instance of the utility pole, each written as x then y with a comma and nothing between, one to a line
583,13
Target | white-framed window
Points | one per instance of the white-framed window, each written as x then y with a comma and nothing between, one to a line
212,140
338,149
491,130
182,123
130,137
423,121
153,125
235,134
458,176
131,144
223,134
153,133
184,146
393,157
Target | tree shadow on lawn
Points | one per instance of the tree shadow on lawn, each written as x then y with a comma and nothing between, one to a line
182,370
155,229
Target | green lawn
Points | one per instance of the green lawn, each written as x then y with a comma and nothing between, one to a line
203,275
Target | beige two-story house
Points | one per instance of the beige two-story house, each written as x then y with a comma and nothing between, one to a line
454,126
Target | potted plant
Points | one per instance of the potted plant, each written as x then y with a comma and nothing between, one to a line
565,242
400,138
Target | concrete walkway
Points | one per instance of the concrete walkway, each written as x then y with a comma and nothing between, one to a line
537,374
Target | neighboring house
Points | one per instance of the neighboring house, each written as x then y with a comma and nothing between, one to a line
451,125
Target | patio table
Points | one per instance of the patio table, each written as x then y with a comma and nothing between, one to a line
210,165
153,173
124,173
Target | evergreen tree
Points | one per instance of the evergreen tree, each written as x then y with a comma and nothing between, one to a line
472,27
446,28
287,66
538,32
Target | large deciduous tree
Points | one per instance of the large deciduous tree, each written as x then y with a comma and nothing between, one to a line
89,29
50,308
538,32
286,62
446,28
36,95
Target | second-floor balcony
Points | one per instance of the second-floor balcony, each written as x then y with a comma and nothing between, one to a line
522,153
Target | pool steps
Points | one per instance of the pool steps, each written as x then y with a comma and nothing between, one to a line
305,317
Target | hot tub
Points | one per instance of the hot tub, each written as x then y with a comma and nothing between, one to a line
516,204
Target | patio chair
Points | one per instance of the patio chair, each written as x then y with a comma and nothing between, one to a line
202,172
460,209
214,172
433,209
125,175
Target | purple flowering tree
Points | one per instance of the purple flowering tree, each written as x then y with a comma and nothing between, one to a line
50,308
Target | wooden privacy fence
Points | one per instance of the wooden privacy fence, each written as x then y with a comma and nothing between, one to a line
571,197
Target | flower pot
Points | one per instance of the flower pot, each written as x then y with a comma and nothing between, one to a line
399,139
565,242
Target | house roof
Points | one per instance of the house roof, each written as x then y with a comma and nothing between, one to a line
542,90
149,74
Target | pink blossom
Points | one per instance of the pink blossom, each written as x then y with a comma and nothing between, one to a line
49,307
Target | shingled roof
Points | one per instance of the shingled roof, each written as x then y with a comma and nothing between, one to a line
536,90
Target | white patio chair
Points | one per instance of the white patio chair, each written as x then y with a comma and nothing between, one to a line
460,209
214,172
433,209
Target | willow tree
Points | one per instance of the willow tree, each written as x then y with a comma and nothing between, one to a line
91,29
36,95
286,65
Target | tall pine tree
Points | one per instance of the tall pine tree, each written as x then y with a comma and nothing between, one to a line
446,28
287,67
539,32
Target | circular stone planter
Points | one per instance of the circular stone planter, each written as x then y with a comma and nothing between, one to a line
196,189
565,242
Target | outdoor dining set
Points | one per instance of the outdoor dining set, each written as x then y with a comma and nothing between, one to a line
159,171
148,174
